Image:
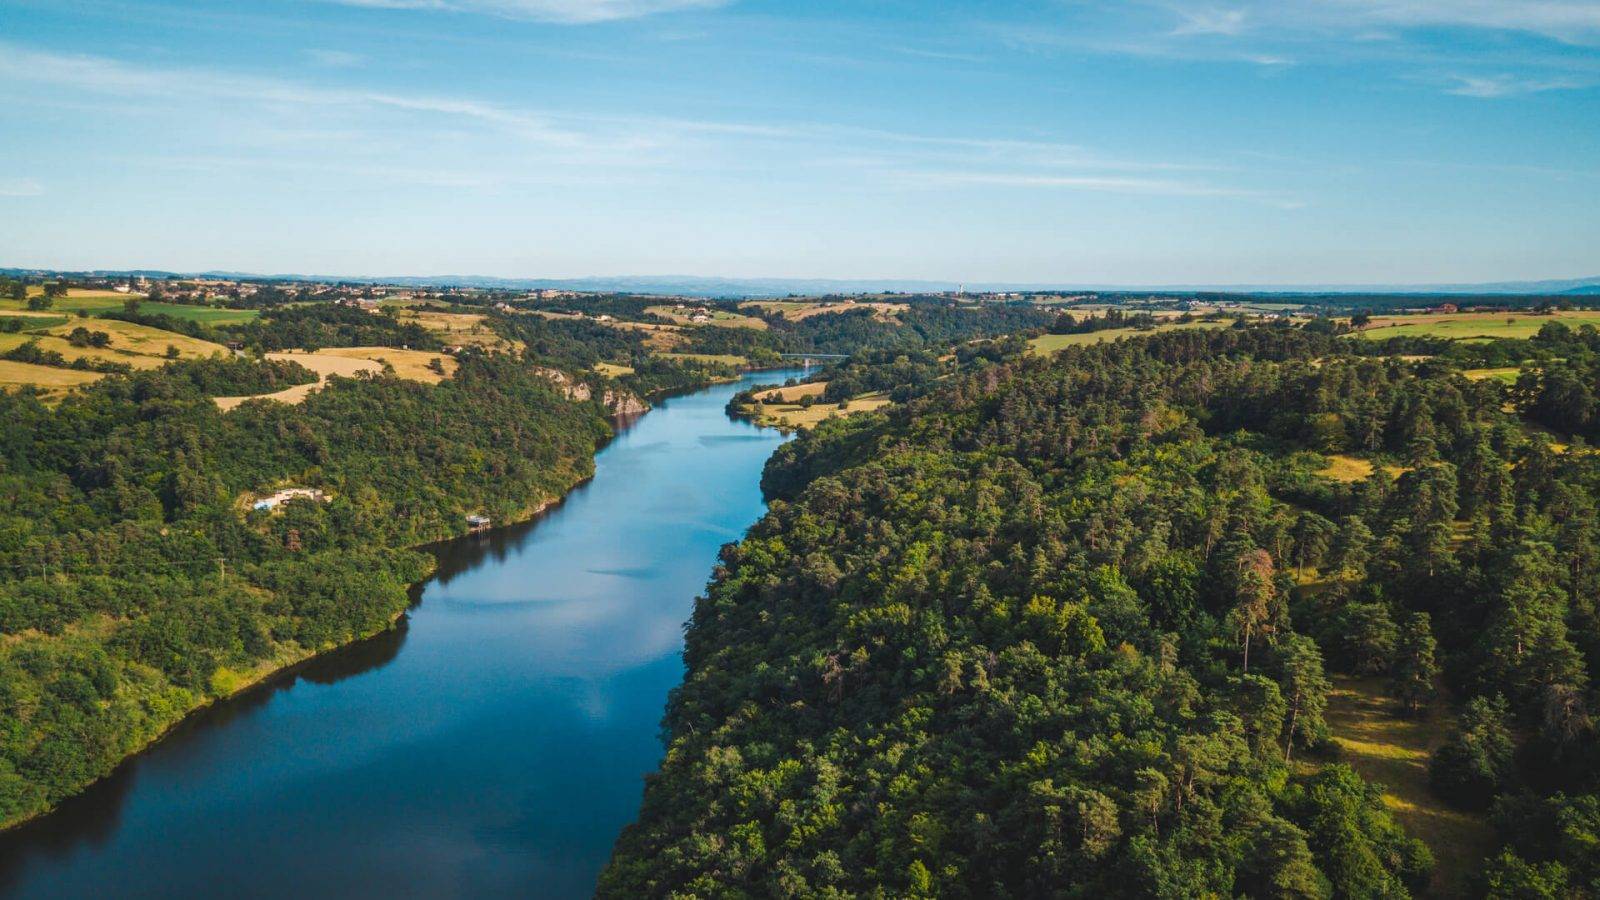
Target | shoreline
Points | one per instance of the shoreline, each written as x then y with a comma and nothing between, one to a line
287,666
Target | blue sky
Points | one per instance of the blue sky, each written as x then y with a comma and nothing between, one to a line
1159,142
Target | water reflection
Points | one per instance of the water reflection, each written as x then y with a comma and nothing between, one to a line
499,754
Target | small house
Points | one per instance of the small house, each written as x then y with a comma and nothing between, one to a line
478,522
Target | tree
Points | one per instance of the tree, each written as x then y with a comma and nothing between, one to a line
1367,635
1414,670
42,301
1476,761
1254,593
1305,690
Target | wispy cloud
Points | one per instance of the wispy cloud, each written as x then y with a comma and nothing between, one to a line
1109,184
1494,87
20,187
568,12
278,125
335,59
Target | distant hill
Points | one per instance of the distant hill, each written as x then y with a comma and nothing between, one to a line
717,287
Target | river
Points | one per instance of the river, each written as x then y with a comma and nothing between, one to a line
493,744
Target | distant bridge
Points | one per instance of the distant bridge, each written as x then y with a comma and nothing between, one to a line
810,356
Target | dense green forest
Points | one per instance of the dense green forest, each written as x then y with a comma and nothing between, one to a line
137,582
1066,627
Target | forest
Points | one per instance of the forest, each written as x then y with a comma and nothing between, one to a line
1068,627
136,580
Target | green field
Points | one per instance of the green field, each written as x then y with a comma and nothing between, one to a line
1465,326
1050,343
91,302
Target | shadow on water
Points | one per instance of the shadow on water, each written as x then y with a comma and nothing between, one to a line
88,818
527,700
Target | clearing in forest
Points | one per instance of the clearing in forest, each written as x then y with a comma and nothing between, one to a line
1472,325
1046,344
789,413
796,310
139,346
53,381
1392,751
719,317
347,362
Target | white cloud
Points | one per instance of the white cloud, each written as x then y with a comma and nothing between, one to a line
1573,21
20,187
336,59
1210,20
237,122
569,12
1098,183
1493,87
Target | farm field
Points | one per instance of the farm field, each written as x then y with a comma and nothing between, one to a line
139,346
1393,752
1461,326
468,329
718,317
55,383
91,302
1507,374
612,370
723,358
796,310
1050,343
347,362
789,414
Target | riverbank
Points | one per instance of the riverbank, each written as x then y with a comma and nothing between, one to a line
314,579
492,741
226,684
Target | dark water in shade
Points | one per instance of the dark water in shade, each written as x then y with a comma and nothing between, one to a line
493,745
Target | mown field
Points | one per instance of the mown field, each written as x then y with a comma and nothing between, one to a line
1050,343
718,317
788,412
725,359
796,310
91,302
53,381
1474,325
348,362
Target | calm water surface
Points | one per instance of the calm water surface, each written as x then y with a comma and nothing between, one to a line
493,745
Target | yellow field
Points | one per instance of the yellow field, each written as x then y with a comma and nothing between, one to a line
794,393
467,329
724,359
1050,343
795,310
791,415
139,346
1353,468
348,362
718,317
55,382
1392,752
1473,325
410,364
612,370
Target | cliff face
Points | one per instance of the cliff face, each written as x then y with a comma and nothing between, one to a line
617,401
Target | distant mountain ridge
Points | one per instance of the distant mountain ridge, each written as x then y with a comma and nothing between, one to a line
713,286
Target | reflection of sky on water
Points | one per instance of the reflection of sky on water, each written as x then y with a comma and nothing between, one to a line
494,746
